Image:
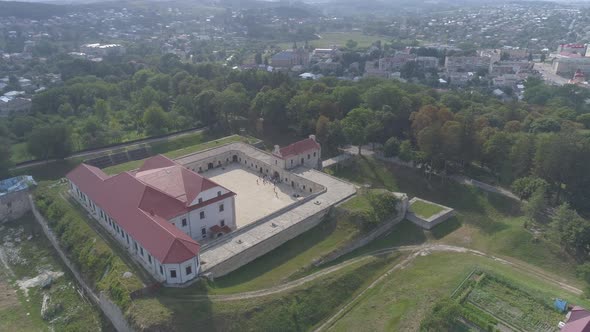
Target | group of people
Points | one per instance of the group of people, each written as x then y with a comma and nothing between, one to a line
268,180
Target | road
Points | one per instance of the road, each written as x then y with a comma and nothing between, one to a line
548,75
111,148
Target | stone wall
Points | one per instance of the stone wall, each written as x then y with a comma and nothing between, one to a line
402,207
429,223
14,205
250,254
110,310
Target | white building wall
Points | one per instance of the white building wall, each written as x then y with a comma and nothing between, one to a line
136,250
213,216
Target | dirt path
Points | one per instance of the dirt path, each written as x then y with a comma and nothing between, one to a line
417,251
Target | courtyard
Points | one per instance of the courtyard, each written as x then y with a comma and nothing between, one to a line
255,198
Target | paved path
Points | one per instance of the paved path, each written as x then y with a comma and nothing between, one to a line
111,148
416,251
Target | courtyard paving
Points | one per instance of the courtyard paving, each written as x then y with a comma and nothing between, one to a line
255,198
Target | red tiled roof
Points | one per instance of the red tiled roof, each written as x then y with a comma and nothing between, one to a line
141,204
579,321
299,148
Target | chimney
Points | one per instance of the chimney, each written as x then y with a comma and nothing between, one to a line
276,150
312,137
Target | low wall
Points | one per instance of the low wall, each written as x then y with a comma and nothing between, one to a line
250,254
372,235
434,220
110,310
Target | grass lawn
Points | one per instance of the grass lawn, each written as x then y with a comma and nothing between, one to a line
167,150
425,210
484,221
296,310
291,259
407,296
328,39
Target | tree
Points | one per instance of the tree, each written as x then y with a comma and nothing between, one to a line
355,126
527,186
573,231
406,153
584,119
52,141
534,209
5,155
384,205
391,147
351,44
347,97
155,120
258,58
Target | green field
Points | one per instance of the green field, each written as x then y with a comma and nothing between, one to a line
424,209
509,303
484,221
339,39
408,295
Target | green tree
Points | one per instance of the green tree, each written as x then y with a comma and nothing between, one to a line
52,141
527,186
355,126
351,44
5,155
391,147
534,209
155,120
573,231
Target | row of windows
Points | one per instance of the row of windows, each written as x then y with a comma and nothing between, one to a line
188,271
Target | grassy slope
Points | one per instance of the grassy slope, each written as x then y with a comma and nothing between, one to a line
404,298
424,209
296,310
484,221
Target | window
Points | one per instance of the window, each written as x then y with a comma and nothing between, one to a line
200,200
218,193
149,258
202,214
291,162
222,222
308,156
135,245
172,273
314,154
141,251
161,270
221,208
189,270
183,222
203,233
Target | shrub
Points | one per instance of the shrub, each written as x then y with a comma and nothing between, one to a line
525,187
391,147
384,204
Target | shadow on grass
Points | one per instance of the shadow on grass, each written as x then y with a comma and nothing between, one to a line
187,315
446,228
278,256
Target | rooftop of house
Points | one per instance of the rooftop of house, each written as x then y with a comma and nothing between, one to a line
142,202
578,321
15,184
299,147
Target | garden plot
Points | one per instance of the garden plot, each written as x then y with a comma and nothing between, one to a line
497,301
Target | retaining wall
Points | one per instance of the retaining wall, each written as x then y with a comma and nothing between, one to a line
372,235
110,310
250,254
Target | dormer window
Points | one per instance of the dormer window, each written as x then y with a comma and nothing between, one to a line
200,200
218,193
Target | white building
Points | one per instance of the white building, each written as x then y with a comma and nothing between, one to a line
101,50
158,213
306,152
